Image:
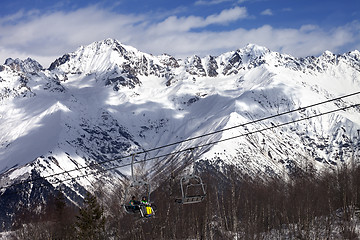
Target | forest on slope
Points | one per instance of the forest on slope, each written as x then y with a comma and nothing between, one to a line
308,205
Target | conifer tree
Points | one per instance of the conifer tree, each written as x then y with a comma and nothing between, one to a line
63,219
90,222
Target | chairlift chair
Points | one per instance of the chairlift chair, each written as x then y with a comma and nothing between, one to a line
145,211
192,190
135,185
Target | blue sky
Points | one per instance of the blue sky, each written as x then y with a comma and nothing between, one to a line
47,29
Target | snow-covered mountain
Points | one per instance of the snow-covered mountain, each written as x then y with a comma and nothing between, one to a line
107,100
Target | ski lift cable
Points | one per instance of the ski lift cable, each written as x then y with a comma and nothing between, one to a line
251,122
193,138
196,137
180,151
177,152
212,143
209,134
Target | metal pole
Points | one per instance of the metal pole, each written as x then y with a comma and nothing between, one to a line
357,146
182,189
132,167
193,160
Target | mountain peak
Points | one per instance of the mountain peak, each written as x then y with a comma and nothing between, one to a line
95,55
27,66
113,45
255,50
327,52
355,54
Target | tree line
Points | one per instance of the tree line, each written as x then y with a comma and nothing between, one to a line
309,205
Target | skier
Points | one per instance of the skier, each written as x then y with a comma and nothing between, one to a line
146,208
134,205
144,201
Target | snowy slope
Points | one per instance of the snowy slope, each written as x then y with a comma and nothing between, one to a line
108,100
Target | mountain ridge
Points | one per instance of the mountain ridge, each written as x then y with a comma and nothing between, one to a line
107,100
121,66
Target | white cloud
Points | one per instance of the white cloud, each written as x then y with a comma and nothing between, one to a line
45,37
59,32
227,15
184,24
286,9
212,2
215,2
309,28
267,12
